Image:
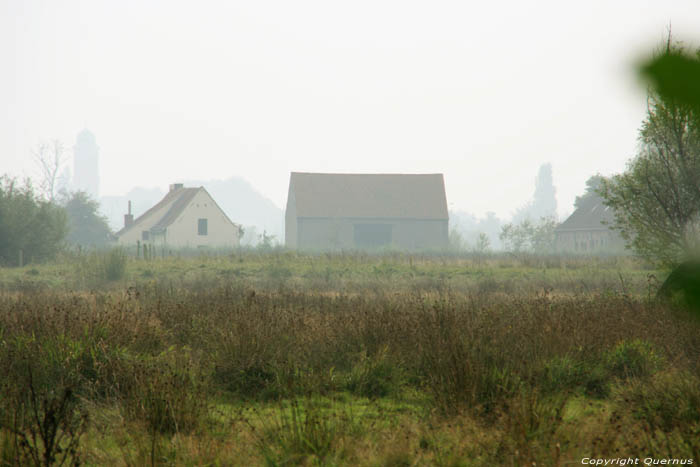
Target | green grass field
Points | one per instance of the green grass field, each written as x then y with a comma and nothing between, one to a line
278,358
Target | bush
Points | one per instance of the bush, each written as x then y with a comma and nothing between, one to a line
567,373
115,264
562,373
374,376
668,400
634,358
102,266
304,433
28,224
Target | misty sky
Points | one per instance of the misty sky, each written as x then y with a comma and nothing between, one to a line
483,92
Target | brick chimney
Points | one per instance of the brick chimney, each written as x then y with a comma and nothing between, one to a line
175,186
128,218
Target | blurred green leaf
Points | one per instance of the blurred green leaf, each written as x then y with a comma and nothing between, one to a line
675,76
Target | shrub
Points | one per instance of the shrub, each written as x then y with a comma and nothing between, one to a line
562,373
115,264
632,358
567,373
303,433
668,400
101,266
374,376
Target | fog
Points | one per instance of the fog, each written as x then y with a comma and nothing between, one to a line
484,92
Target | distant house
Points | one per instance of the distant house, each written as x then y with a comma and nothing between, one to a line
588,229
185,217
366,211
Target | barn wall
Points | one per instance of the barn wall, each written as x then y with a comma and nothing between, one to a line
290,221
590,241
339,233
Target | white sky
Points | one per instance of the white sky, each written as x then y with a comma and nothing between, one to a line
483,92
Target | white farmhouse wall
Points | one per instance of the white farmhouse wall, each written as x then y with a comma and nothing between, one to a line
183,232
135,233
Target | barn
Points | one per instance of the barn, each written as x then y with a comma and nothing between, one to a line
588,230
184,218
366,211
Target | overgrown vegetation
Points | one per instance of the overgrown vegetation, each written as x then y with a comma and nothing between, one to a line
31,229
345,360
656,199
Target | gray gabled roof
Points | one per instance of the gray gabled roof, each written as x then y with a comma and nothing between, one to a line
403,196
169,208
593,214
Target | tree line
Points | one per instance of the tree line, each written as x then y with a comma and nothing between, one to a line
34,227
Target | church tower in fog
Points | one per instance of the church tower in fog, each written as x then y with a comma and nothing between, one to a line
86,173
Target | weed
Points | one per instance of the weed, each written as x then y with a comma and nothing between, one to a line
304,431
633,358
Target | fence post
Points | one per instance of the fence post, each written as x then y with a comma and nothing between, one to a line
21,258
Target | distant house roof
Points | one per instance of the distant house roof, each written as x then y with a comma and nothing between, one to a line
591,215
167,210
406,196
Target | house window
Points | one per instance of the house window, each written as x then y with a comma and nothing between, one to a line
145,235
372,235
201,227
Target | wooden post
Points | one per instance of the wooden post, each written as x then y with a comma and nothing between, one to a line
138,249
21,258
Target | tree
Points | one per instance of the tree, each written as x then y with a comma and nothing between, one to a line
528,236
50,159
86,226
28,224
483,244
675,75
656,200
544,201
593,186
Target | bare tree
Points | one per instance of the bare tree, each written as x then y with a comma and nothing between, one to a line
50,158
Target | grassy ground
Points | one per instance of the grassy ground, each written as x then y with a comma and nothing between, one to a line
284,359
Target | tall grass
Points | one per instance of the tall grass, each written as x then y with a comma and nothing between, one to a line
162,354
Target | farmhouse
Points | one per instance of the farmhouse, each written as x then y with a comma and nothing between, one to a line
366,211
185,217
588,229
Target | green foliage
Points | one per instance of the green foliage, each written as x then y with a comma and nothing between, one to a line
668,401
563,373
593,186
304,432
526,236
115,264
375,376
101,266
675,76
28,224
86,227
656,200
635,358
682,286
483,244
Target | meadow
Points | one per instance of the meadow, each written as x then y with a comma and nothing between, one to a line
279,358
